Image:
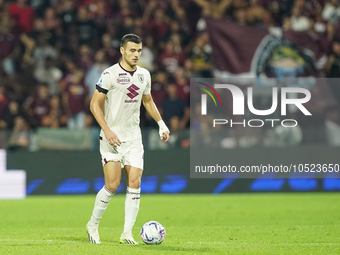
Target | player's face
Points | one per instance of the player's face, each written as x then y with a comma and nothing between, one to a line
131,53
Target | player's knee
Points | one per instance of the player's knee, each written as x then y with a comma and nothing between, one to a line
113,186
135,183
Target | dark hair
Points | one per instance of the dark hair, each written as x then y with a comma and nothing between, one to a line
130,38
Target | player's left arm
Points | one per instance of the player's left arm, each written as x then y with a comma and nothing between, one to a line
151,108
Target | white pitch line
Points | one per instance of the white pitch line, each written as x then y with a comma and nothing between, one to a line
337,244
27,240
75,228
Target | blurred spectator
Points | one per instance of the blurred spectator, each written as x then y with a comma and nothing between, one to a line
319,24
94,72
200,57
19,138
127,27
52,25
240,16
333,63
3,107
159,26
23,82
297,22
148,55
102,15
159,83
3,5
277,9
158,87
38,29
188,68
56,117
40,6
12,112
9,43
49,74
29,45
86,29
75,97
179,136
170,59
7,120
177,43
183,84
71,48
179,14
42,51
138,27
331,11
175,106
112,54
125,10
85,59
258,16
308,8
23,14
175,28
50,19
215,9
37,106
67,12
330,37
93,6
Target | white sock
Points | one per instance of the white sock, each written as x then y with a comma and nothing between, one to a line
131,208
102,200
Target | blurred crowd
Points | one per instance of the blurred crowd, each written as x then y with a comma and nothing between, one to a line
52,53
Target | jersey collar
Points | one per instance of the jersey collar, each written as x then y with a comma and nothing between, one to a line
130,72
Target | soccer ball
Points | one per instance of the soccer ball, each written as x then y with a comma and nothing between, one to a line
152,232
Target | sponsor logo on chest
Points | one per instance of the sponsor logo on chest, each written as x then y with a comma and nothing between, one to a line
123,80
131,101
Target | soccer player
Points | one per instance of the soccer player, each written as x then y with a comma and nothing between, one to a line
116,106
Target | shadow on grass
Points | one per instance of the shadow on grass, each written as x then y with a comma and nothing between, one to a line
36,244
141,246
80,239
163,247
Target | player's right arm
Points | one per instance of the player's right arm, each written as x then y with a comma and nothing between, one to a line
97,109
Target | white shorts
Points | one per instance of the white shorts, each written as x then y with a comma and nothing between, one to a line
128,153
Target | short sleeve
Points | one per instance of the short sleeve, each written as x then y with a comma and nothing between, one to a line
104,83
147,90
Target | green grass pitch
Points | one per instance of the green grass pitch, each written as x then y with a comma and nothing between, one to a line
269,223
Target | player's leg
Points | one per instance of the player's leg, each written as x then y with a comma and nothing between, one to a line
133,162
132,200
112,175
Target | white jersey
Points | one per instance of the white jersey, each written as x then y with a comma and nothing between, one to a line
124,90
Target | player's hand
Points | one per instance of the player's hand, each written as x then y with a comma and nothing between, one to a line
166,136
164,132
112,138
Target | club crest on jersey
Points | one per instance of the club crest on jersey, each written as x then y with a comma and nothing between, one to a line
123,80
141,78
